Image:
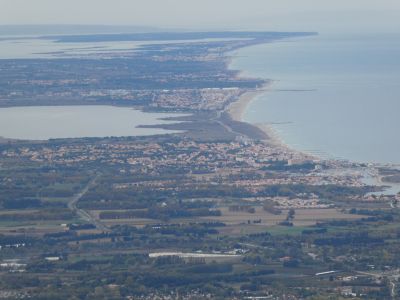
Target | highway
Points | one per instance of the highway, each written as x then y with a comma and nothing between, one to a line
72,205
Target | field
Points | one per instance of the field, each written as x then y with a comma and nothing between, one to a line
243,222
303,217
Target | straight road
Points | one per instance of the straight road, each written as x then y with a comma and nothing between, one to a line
72,205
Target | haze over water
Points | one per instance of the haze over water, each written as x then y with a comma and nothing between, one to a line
337,97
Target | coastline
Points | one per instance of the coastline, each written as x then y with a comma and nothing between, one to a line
236,112
237,109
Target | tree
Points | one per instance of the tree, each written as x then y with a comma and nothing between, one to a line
290,215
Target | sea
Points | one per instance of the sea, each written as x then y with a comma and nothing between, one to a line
333,96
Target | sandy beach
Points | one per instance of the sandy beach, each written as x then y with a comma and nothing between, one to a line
237,109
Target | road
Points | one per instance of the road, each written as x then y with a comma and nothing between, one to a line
393,276
217,119
72,205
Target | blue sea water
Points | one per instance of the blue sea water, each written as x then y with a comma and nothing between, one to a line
333,96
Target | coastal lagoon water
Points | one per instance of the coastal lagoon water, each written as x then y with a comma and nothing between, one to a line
335,97
46,122
40,48
35,48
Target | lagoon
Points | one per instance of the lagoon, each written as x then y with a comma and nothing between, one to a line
50,122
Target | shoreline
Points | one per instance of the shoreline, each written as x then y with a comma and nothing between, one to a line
237,109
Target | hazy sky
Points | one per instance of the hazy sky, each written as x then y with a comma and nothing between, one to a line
353,15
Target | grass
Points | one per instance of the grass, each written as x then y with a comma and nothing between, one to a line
15,224
286,230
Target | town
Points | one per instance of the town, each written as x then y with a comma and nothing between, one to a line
216,210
